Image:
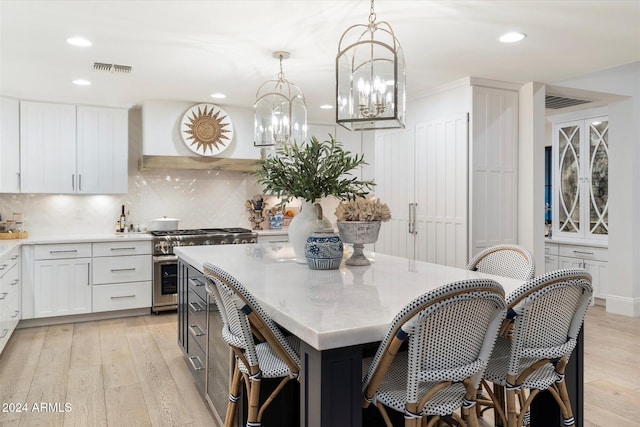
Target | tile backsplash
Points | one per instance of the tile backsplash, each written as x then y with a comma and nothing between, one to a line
197,198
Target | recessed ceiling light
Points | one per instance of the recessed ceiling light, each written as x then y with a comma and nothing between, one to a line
79,41
326,107
218,95
512,37
81,82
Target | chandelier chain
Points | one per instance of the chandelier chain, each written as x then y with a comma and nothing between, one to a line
372,14
281,73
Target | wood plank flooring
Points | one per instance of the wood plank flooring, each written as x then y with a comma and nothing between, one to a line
131,372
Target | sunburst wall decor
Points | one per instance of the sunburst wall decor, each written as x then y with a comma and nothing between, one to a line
206,129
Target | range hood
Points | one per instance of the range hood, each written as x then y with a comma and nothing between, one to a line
149,162
163,147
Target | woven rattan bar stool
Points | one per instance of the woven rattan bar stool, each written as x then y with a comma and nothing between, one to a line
244,322
505,260
545,316
450,333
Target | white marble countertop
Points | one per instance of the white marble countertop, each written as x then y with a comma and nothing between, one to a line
329,308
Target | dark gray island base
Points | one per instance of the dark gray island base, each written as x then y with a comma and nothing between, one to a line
337,329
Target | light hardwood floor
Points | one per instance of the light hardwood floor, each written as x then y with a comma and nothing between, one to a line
131,372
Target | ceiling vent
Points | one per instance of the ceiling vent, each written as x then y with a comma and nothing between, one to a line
112,68
557,102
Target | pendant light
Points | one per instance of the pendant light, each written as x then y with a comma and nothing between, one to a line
280,112
370,77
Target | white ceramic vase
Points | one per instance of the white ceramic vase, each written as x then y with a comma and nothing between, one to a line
300,228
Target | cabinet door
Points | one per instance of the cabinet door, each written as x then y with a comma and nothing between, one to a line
395,159
102,148
599,277
48,148
9,145
62,287
550,263
567,262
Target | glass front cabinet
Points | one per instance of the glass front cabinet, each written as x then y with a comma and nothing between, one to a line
581,163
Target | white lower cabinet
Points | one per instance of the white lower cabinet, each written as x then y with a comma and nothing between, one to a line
10,284
122,273
62,287
591,258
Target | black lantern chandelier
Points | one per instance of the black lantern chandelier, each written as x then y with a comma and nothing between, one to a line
370,77
280,112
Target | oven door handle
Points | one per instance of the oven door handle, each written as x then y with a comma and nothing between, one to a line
164,258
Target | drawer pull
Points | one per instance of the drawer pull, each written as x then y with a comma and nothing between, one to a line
113,270
5,331
193,362
583,253
124,296
195,333
196,307
4,295
15,314
3,266
64,252
196,282
123,249
15,257
15,282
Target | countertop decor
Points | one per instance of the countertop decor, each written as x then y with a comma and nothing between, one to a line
359,223
311,171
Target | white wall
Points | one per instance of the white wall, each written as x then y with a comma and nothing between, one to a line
624,182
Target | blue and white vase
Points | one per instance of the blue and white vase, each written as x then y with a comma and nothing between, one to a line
324,248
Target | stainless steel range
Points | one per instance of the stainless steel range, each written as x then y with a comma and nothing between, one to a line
165,263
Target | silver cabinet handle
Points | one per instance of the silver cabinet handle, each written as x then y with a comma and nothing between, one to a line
4,295
123,249
64,252
4,333
583,253
15,282
196,282
15,257
410,218
196,333
79,182
124,296
113,270
15,314
192,360
73,181
195,306
3,266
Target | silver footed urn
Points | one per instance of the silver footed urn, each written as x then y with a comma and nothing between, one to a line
359,233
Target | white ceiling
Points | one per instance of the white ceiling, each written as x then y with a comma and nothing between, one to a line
187,50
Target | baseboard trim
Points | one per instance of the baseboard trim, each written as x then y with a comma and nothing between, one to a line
59,320
624,306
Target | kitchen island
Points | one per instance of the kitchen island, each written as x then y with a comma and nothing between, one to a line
335,313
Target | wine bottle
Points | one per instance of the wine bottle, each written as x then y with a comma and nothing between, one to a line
123,220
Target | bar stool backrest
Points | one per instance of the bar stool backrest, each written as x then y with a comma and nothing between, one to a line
505,260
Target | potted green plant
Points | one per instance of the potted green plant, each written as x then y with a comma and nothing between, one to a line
359,223
311,171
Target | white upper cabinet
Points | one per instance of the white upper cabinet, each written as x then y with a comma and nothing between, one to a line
581,159
48,145
9,145
73,150
102,150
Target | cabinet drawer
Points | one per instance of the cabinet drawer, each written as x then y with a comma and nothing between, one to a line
62,251
9,318
584,252
122,296
136,247
551,249
196,360
9,286
196,284
123,269
8,261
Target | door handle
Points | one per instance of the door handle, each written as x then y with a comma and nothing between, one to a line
196,331
113,270
410,218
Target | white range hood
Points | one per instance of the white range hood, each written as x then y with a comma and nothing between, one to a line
163,147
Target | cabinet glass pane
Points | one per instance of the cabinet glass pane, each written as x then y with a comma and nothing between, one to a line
598,174
569,191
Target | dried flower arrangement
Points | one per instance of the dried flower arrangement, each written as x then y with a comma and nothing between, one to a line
363,209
